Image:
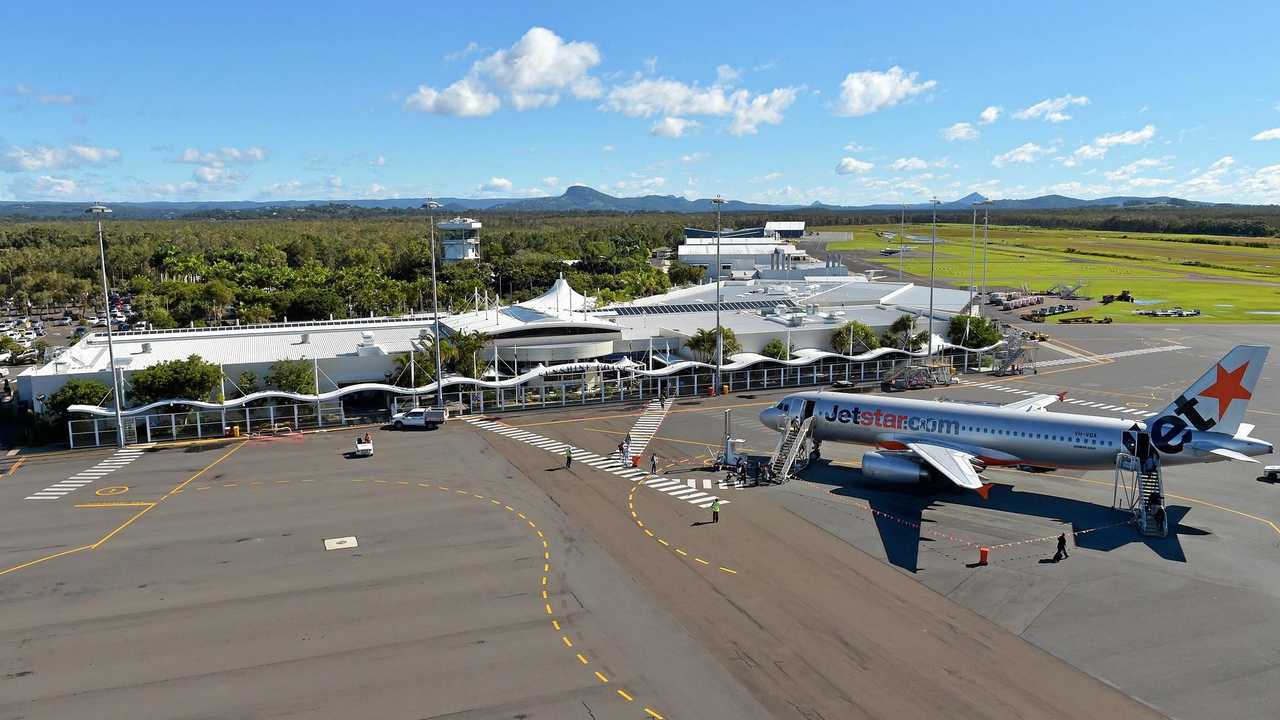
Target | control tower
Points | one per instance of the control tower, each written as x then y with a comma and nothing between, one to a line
460,238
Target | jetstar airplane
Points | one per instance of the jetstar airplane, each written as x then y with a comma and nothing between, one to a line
924,439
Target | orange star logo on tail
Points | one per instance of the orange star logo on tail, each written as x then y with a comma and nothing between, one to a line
1227,386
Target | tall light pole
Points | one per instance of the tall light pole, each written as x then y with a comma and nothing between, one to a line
98,211
933,255
986,214
973,260
902,239
718,201
430,206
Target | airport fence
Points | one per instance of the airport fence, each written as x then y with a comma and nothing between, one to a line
591,387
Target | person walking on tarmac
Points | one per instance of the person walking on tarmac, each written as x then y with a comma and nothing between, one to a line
715,510
568,458
653,464
1062,548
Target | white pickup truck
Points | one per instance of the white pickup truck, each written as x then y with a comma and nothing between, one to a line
428,418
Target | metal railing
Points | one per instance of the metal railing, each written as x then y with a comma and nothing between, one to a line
197,424
592,387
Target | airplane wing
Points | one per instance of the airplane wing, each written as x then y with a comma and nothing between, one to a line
954,464
1035,402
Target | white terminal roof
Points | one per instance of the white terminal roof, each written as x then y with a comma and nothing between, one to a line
784,226
242,345
755,247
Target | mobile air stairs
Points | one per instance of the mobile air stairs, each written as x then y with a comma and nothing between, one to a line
1139,488
1007,358
791,453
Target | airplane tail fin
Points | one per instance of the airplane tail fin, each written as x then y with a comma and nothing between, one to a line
1217,401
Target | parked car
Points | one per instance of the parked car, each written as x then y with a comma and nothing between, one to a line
428,418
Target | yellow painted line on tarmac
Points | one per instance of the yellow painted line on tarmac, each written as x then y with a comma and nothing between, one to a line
600,676
725,569
1198,501
650,712
625,696
140,503
567,642
583,659
704,562
14,467
46,558
555,624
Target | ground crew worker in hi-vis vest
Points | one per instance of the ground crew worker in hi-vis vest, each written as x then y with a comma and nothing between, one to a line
715,510
568,458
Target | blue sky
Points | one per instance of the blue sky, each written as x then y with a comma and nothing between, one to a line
853,103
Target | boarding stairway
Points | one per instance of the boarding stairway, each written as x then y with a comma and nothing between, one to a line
1143,494
790,443
1009,354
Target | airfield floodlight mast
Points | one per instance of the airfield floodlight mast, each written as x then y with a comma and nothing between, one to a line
986,214
430,206
718,201
98,210
902,238
973,259
933,256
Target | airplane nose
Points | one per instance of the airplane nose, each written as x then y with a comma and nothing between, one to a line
770,418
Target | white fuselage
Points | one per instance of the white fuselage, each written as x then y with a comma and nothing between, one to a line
995,435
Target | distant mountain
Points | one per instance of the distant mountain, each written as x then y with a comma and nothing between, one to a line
577,198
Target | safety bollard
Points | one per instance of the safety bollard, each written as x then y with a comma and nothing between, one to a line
983,552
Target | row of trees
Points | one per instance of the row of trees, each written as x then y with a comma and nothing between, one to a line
184,273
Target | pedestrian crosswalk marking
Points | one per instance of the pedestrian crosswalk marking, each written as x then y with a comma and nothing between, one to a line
685,490
646,426
117,460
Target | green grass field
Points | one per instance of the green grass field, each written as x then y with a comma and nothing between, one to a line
1227,283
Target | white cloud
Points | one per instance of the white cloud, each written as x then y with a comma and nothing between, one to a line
495,184
1211,181
673,127
960,131
694,157
42,157
1051,110
851,166
990,114
641,184
863,93
1272,134
1023,154
1128,137
222,156
217,176
662,96
768,177
650,64
379,161
334,182
285,189
551,181
909,164
22,89
470,49
47,187
764,109
855,147
1126,172
1144,182
1264,184
464,98
540,66
607,148
727,74
1101,144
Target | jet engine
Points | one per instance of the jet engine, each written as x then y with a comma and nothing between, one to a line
892,469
